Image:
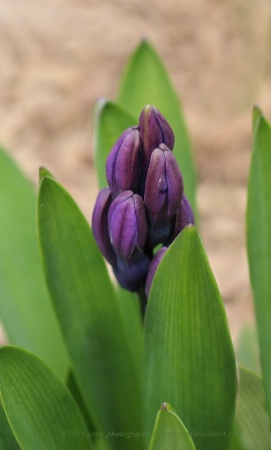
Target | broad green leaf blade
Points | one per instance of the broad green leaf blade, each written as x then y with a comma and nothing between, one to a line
251,414
39,408
7,438
189,359
146,81
110,120
169,432
89,315
259,241
25,307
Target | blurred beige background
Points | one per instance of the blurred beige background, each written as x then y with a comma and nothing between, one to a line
57,57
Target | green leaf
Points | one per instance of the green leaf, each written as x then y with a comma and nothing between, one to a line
7,438
248,353
259,240
75,392
89,314
130,311
189,359
44,172
256,116
146,81
251,415
110,121
39,408
169,432
25,307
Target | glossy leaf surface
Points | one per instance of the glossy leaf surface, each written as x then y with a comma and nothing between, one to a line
39,408
89,315
189,360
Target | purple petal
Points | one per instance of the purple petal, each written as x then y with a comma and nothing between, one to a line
127,224
100,225
122,165
163,193
153,267
154,130
184,217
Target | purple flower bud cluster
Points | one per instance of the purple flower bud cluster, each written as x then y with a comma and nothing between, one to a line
144,205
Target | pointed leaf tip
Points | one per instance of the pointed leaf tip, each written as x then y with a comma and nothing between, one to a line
259,240
169,431
256,115
188,350
43,172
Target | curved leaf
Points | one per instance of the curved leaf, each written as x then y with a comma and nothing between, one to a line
89,315
189,359
259,239
169,432
146,81
110,121
7,438
25,306
39,408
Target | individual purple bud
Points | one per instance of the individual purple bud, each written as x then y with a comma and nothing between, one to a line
100,225
184,216
127,224
163,193
153,267
128,232
154,130
122,165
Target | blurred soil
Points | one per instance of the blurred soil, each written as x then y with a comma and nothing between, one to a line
58,57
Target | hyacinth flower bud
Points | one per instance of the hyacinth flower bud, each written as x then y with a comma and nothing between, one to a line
122,165
100,225
163,193
184,216
128,231
154,130
153,267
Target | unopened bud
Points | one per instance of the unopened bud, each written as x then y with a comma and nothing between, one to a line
154,130
122,165
128,231
153,267
100,225
163,193
127,224
184,216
